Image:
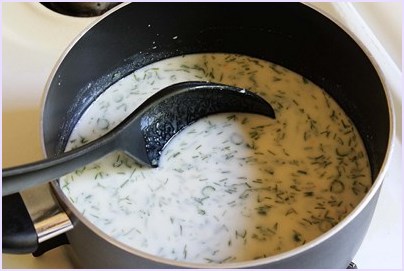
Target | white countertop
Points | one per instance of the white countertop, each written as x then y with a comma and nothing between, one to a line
32,43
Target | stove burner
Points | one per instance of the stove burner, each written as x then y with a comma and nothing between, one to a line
80,9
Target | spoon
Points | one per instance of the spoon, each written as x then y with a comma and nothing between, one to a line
145,132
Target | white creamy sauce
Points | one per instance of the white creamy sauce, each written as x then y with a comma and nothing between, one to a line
230,187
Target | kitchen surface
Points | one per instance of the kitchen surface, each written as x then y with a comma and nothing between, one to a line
34,37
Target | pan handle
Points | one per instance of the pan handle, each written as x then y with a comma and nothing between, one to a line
33,222
19,234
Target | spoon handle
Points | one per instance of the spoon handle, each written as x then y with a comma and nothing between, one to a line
18,178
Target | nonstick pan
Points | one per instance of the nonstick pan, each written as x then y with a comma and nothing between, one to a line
133,35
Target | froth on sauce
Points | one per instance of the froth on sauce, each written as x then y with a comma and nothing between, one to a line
230,187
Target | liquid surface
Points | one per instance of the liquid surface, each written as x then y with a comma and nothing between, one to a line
230,187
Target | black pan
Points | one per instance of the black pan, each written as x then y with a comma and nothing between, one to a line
289,34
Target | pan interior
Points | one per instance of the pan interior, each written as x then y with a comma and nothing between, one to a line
261,186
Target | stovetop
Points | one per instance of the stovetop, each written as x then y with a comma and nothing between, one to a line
34,38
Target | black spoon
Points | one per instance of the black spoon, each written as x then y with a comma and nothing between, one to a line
145,132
